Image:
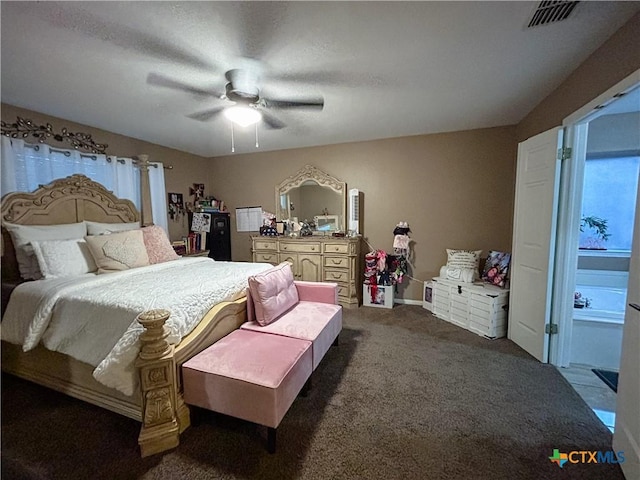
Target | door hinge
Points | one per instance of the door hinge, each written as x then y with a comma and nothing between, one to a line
551,328
564,153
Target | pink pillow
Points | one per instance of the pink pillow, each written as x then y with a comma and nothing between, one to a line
273,293
158,246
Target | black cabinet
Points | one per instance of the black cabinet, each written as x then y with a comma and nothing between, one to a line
218,240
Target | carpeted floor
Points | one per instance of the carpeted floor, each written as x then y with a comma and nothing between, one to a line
404,396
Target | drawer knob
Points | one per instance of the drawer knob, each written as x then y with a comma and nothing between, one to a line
284,247
313,249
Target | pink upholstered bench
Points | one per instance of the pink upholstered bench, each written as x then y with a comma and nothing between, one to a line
249,375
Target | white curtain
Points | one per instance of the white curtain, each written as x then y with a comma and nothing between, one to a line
158,195
25,167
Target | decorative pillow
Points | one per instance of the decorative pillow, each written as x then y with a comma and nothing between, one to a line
464,259
97,228
63,258
273,293
23,235
118,251
464,275
496,268
158,246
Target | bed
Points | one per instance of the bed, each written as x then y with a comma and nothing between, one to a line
155,347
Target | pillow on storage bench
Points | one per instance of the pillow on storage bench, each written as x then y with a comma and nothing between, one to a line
274,293
462,265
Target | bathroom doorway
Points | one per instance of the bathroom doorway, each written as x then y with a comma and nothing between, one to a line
602,201
611,169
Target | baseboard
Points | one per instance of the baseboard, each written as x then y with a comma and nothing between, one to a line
408,301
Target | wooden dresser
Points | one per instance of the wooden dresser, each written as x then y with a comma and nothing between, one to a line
317,259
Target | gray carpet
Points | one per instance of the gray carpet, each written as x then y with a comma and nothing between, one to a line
404,396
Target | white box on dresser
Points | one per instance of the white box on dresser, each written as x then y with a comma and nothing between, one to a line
480,308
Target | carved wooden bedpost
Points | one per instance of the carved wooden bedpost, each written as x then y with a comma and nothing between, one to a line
164,414
145,190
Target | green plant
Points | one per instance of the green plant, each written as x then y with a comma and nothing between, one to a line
599,225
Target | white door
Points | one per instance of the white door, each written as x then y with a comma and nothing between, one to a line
534,230
626,437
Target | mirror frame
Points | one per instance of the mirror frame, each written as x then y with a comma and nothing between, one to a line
309,172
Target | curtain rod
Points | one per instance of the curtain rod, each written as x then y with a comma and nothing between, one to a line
67,153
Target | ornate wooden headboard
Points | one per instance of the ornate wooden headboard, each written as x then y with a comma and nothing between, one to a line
66,200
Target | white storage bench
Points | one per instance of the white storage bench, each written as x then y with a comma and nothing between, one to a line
479,307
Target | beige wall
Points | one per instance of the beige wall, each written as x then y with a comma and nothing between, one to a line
612,62
187,168
456,190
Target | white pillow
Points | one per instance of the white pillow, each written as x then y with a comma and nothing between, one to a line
98,228
63,258
23,235
464,259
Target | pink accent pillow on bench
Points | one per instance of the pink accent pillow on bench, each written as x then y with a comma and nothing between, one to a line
273,293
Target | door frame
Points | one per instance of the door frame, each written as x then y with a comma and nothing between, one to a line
570,201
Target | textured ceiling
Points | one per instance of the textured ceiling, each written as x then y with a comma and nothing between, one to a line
384,69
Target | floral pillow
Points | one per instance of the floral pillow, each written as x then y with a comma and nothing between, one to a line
158,246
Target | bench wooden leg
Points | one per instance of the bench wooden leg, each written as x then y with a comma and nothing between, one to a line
271,440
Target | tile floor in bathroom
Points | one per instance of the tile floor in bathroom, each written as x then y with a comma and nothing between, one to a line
593,391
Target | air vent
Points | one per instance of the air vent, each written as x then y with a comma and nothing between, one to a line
552,11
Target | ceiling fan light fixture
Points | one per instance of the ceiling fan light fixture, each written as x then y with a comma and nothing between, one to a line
243,116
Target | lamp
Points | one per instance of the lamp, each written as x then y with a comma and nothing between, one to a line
243,116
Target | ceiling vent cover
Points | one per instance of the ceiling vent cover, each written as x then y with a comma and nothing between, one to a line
551,11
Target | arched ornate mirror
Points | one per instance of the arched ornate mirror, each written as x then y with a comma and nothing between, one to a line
314,196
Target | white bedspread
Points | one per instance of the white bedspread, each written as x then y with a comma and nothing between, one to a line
92,317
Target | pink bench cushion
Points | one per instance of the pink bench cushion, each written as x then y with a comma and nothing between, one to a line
248,375
273,293
319,323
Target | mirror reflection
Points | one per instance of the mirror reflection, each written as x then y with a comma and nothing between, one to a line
313,197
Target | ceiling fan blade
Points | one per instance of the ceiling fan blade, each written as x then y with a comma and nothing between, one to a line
75,18
309,104
271,121
207,115
162,81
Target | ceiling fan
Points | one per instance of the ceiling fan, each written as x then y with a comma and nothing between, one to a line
243,103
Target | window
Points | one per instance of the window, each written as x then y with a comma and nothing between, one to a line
610,190
25,167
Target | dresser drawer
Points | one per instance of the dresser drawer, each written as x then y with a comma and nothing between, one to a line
336,276
336,248
263,257
343,291
300,247
265,245
336,262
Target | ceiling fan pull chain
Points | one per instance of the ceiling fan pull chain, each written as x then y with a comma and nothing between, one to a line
233,145
257,144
